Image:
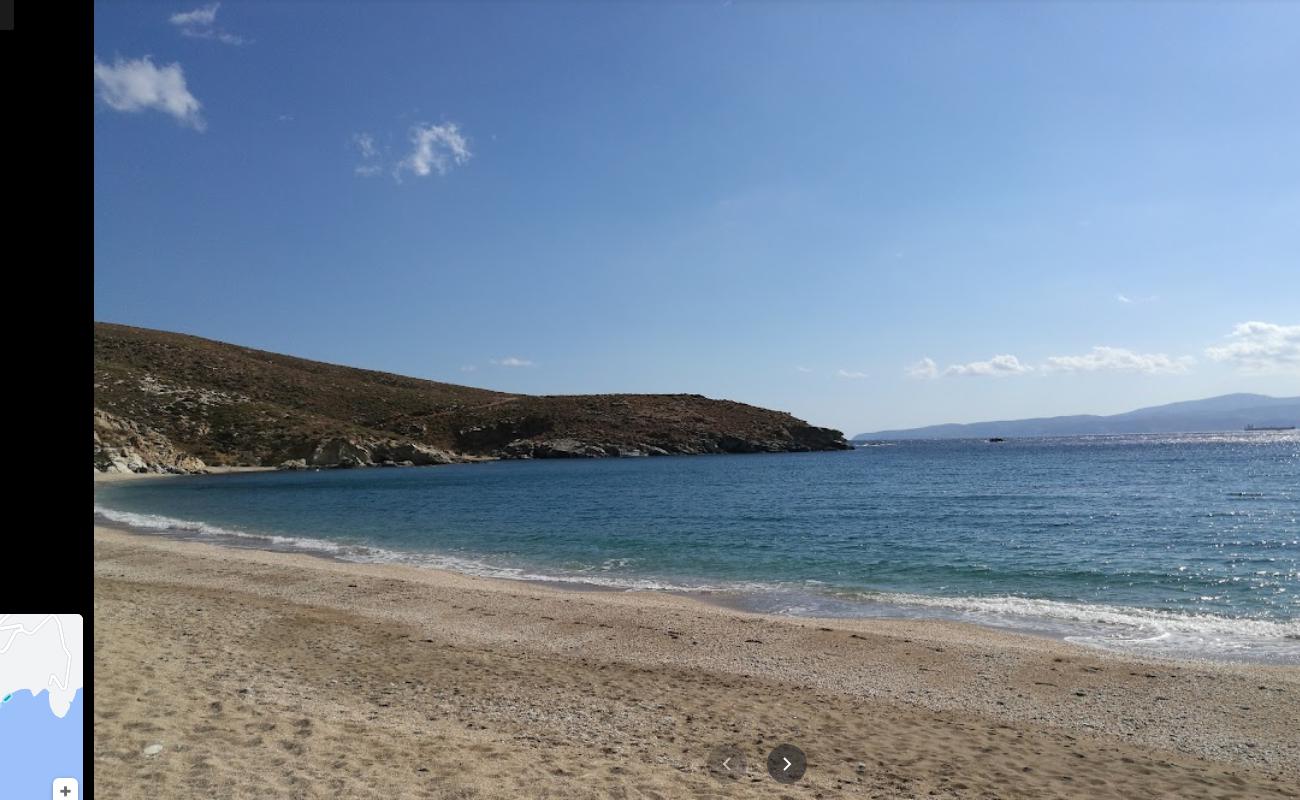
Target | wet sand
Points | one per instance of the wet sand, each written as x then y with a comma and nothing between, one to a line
284,675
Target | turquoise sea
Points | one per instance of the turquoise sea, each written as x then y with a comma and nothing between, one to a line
1183,545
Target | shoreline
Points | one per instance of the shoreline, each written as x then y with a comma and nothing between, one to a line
486,687
1105,633
732,602
118,477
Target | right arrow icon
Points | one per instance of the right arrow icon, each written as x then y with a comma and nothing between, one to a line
786,764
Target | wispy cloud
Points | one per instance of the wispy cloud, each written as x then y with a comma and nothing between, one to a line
139,85
436,148
850,374
997,367
1129,301
200,17
923,369
804,370
512,361
366,143
370,163
201,23
1120,359
469,368
1261,347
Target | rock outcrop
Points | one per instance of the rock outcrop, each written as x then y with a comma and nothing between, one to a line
575,448
125,446
343,452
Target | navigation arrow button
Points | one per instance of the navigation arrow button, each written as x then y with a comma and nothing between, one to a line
727,762
786,764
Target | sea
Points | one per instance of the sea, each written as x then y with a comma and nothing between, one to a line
1163,545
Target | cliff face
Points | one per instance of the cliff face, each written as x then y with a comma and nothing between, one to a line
124,446
170,402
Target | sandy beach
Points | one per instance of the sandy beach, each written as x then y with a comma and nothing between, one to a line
267,674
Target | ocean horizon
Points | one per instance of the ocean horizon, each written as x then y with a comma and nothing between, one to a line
1170,545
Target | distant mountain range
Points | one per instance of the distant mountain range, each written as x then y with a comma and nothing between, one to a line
1229,412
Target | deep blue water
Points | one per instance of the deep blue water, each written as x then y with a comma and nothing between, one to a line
1182,544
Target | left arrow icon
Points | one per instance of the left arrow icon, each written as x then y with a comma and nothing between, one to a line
727,762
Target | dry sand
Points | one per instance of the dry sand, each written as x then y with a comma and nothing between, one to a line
273,675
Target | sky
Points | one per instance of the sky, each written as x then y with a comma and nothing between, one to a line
871,215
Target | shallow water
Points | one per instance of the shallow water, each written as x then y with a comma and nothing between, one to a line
1183,545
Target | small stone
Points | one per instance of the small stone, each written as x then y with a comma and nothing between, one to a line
153,750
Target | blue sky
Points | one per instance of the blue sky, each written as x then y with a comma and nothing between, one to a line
869,215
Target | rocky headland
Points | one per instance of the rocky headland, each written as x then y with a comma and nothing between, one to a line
169,402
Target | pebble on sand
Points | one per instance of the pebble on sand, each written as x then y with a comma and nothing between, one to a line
153,750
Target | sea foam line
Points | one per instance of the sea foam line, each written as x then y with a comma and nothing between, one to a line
1096,613
367,554
1106,626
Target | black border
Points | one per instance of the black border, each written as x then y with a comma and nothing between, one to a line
48,147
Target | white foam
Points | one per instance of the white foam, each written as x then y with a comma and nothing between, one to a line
365,554
155,523
1106,626
1121,627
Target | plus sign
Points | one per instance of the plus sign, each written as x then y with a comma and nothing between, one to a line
65,791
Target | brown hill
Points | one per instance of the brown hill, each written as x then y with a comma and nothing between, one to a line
172,402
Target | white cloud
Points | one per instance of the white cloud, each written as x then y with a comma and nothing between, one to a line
845,373
366,144
369,165
1132,300
138,85
1117,358
511,361
997,366
468,368
204,15
201,23
1261,347
925,368
436,149
804,370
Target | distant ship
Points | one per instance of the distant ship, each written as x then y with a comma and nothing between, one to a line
1270,427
